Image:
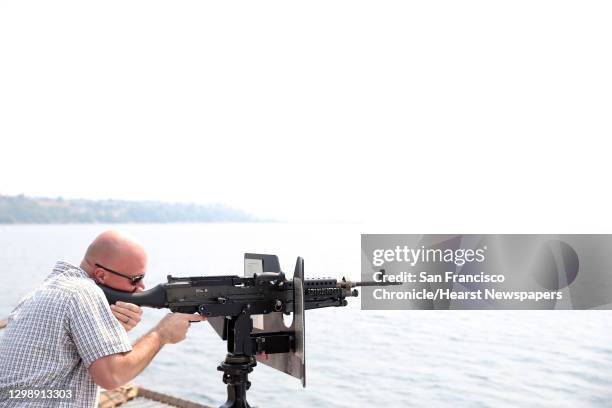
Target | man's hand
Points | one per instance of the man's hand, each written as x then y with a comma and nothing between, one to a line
128,314
173,327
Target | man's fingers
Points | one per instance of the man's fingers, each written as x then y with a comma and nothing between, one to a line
196,318
122,322
127,312
126,317
192,317
125,321
130,306
123,318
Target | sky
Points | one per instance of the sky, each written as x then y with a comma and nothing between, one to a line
471,116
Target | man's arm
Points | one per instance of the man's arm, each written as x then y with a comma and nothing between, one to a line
115,370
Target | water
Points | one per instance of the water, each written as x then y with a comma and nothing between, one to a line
354,357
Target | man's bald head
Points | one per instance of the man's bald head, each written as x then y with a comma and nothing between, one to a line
118,252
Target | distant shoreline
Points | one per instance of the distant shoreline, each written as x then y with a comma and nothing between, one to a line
23,210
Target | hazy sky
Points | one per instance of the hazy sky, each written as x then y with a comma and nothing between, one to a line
437,115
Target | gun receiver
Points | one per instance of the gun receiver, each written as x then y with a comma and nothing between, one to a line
247,313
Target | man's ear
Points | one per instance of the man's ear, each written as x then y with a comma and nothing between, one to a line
99,276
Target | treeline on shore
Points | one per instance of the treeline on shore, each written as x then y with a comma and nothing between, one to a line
35,210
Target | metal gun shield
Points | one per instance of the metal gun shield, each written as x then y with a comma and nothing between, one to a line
293,362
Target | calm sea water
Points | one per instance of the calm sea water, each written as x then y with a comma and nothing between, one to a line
355,358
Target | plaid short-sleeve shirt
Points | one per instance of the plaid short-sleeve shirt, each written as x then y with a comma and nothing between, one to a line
53,336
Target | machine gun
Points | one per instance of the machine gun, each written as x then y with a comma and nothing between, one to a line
248,311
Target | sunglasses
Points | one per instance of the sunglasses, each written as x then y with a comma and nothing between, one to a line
133,279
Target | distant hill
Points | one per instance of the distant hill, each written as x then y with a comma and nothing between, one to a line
33,210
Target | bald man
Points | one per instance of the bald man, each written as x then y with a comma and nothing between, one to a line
63,339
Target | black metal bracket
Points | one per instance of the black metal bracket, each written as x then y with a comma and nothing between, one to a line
272,343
